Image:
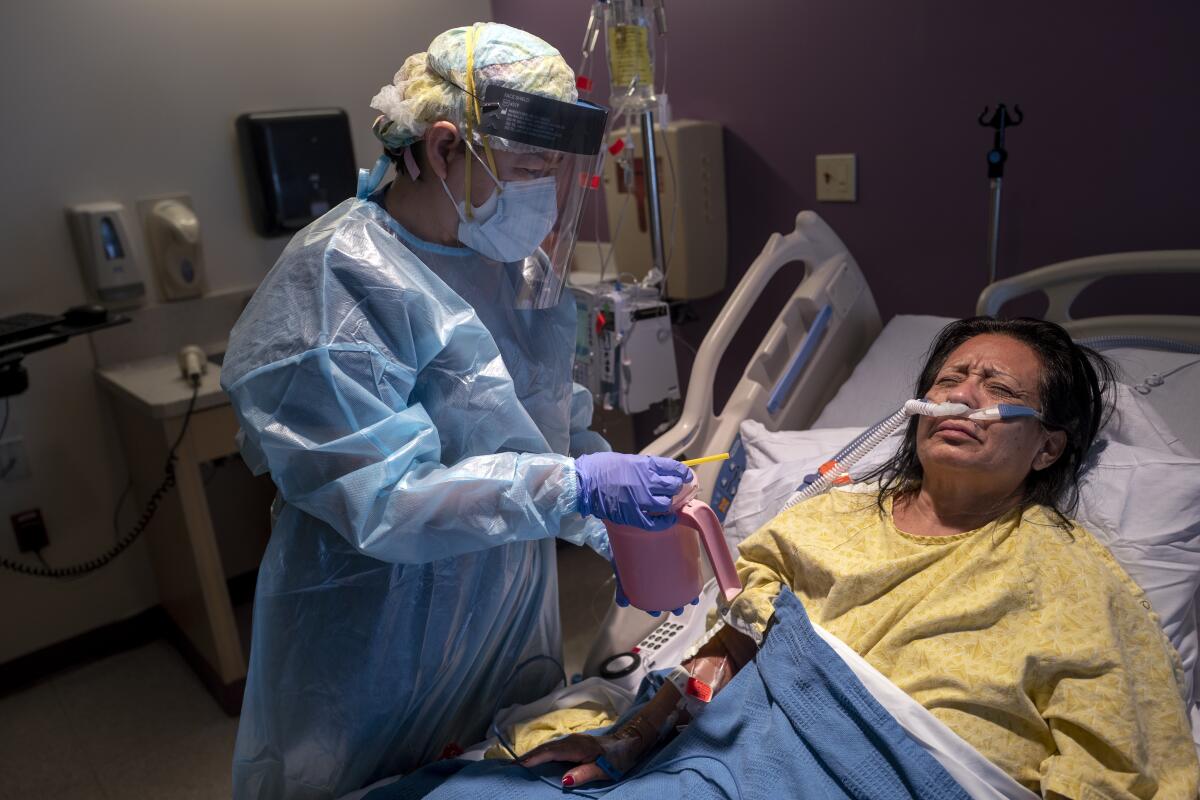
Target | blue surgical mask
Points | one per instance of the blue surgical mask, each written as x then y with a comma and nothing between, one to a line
512,222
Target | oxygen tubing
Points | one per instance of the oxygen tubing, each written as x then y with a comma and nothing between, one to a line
867,441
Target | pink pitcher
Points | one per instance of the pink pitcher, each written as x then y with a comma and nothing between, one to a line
660,570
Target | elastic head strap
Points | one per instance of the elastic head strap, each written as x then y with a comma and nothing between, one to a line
487,151
473,116
471,36
472,113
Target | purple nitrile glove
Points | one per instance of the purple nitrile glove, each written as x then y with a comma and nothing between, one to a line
630,490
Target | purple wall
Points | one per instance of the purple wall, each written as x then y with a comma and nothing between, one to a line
1108,158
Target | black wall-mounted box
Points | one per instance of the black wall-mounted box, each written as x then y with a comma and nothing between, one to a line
298,165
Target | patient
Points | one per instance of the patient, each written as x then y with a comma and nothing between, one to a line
962,579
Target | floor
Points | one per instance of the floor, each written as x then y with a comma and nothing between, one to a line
140,725
135,725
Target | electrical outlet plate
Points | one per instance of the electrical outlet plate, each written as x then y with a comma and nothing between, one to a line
14,462
837,178
30,529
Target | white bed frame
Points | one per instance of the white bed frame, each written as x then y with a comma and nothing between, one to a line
827,326
1062,283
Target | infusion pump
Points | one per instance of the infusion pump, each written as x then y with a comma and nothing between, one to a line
624,353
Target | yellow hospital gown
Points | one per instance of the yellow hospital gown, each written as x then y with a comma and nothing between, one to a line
1029,642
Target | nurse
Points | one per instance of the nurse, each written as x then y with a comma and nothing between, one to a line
404,374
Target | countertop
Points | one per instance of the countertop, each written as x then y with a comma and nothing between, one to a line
157,387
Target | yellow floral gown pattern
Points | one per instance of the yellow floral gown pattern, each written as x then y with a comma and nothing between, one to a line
1027,640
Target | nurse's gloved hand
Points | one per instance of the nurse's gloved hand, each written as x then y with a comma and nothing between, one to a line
629,489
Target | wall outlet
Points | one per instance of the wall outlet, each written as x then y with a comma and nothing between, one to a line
14,461
30,530
837,178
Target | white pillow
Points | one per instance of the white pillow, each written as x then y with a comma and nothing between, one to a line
776,463
1143,504
1136,423
886,375
1169,383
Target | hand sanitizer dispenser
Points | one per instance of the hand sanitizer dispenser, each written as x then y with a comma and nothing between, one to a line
173,237
100,233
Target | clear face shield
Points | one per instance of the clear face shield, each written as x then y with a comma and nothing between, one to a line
547,160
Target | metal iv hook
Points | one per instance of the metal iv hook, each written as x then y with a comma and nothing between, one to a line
996,157
1002,118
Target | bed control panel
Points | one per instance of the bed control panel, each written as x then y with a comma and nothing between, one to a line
728,478
658,639
662,645
662,648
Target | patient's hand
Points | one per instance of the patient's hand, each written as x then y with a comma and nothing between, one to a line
715,665
620,751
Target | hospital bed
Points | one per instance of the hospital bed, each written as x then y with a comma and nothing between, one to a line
826,365
799,377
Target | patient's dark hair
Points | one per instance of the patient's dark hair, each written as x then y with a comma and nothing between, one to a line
1074,384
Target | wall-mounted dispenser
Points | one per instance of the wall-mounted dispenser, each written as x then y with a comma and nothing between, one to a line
298,165
173,240
691,174
111,272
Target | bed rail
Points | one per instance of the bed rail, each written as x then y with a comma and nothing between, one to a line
1062,283
824,329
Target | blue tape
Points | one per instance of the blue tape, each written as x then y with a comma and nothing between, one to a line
612,772
1008,411
800,360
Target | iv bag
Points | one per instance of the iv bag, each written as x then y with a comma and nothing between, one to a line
630,54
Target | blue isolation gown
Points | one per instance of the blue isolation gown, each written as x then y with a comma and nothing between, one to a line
417,426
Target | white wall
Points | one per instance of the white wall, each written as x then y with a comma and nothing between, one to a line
124,99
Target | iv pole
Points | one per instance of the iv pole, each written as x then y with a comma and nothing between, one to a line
996,157
653,202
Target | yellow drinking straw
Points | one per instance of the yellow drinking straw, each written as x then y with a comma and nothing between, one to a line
695,462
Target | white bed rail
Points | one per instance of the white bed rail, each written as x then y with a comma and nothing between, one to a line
824,329
1063,282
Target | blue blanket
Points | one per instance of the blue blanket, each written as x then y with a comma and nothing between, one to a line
796,722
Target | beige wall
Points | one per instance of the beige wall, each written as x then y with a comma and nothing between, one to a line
124,99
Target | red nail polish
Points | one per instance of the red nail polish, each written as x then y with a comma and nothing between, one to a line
568,780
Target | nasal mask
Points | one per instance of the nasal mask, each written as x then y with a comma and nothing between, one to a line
512,222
